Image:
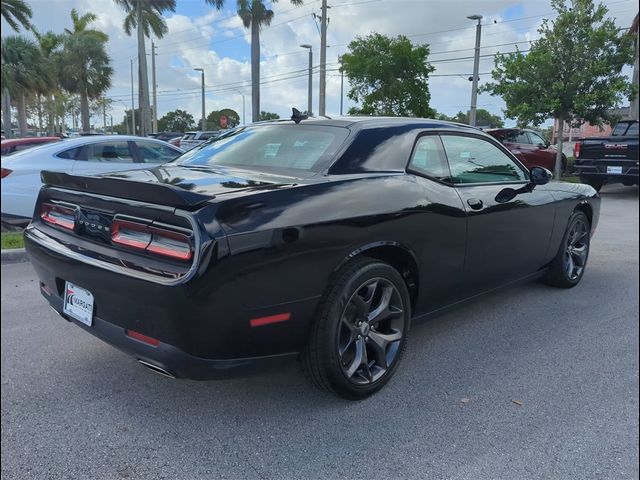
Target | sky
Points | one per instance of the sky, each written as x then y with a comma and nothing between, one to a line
203,37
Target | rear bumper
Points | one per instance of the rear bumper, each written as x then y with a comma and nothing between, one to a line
598,169
169,359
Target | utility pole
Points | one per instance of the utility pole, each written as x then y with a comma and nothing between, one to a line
204,117
154,127
323,59
341,83
133,110
476,66
310,89
111,118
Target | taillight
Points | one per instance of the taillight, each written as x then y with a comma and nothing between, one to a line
151,239
58,215
576,149
4,172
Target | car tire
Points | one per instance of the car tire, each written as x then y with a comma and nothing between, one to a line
350,353
593,182
567,268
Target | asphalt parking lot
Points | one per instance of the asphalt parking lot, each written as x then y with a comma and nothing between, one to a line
73,407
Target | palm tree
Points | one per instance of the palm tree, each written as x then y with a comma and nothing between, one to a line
145,16
24,71
254,14
16,13
87,71
50,44
80,24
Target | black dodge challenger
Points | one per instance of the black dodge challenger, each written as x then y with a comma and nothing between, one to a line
322,239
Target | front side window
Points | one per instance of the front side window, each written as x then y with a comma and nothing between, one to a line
154,153
112,152
429,159
296,149
536,139
474,160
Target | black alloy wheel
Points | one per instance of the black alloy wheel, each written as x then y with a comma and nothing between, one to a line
567,268
370,331
360,332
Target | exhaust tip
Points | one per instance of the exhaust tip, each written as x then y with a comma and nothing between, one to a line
156,369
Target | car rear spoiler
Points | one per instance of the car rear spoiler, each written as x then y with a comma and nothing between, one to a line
149,192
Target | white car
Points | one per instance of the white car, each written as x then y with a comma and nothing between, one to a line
193,139
86,155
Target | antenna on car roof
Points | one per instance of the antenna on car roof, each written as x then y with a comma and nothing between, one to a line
298,116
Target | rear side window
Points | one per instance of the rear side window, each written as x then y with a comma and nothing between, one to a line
429,159
111,152
70,154
154,153
294,149
474,160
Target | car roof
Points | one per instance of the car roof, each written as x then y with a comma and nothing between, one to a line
363,122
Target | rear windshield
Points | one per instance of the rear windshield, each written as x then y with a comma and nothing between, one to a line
625,128
298,150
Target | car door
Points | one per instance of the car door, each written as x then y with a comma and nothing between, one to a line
105,156
440,229
542,155
506,238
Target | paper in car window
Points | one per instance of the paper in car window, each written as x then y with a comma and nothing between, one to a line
465,155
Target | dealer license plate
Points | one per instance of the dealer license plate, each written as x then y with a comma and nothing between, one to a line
614,170
78,303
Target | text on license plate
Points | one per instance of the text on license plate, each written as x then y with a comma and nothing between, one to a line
78,303
616,170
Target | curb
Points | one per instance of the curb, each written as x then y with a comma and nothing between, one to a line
14,255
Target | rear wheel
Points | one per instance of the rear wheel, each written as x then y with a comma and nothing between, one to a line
567,268
359,335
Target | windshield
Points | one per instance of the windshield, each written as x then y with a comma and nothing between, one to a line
299,150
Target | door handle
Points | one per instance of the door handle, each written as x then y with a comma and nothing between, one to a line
475,203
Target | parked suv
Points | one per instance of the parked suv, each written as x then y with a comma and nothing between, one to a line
529,147
611,159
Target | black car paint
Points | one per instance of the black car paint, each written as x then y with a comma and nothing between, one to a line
268,245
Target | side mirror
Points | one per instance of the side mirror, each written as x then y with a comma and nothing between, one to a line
540,176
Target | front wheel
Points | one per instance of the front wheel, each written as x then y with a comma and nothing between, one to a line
360,332
567,268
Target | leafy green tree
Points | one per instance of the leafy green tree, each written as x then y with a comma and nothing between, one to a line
268,116
176,121
16,13
571,73
233,119
87,67
254,14
484,118
145,16
388,76
24,71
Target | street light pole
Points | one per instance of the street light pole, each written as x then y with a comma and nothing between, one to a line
476,66
341,83
204,119
310,91
133,110
154,120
